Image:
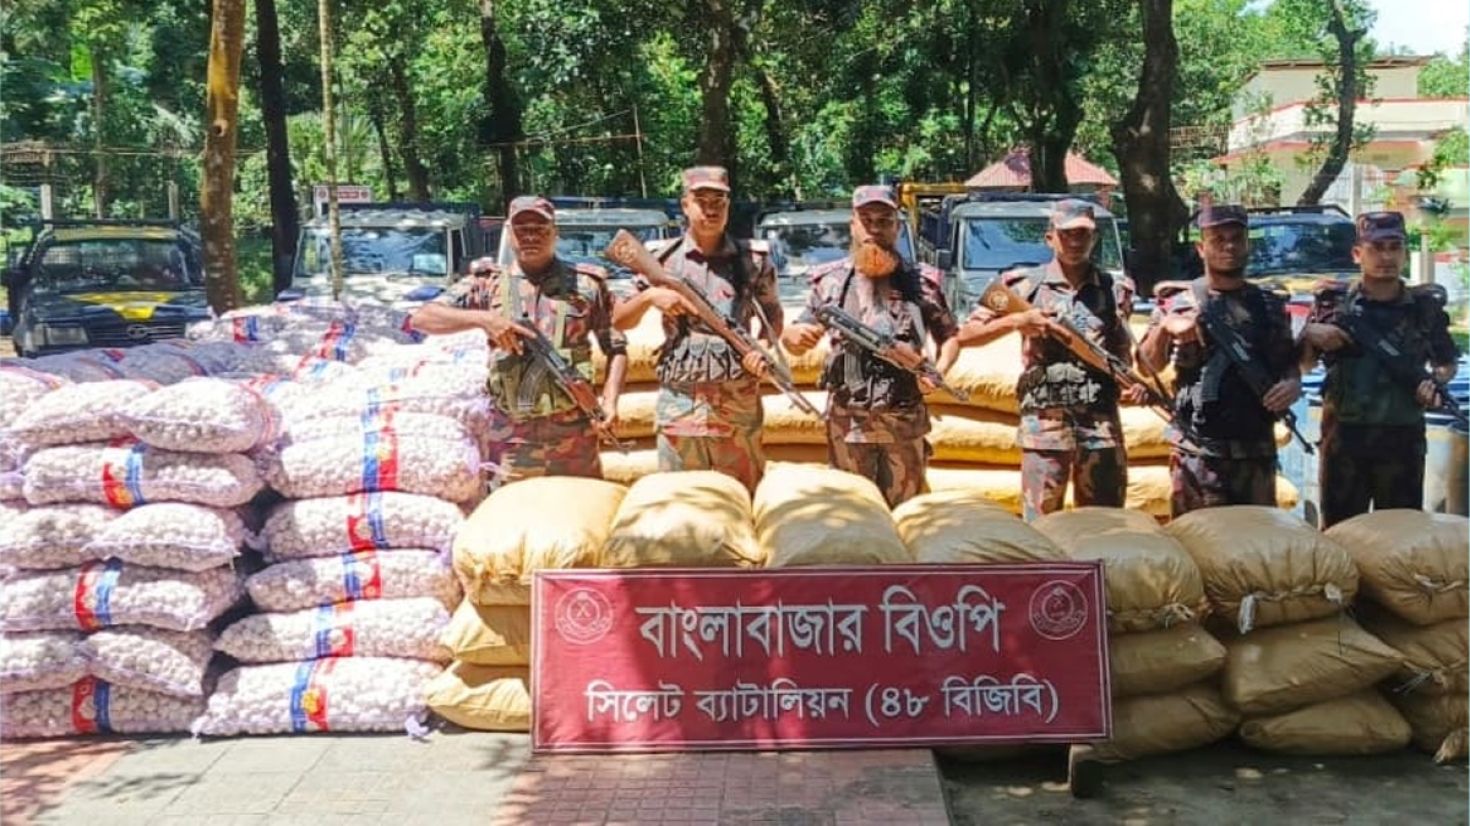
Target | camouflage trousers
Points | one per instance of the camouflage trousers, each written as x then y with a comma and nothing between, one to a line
561,445
1211,481
1099,477
897,468
738,455
1350,482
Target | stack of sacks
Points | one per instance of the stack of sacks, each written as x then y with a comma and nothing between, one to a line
546,523
1413,569
1163,661
1297,669
961,527
974,442
359,586
814,515
130,537
19,387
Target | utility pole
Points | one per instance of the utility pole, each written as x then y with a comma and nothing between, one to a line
334,213
638,136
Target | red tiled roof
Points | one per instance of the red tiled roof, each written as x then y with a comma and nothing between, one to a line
1014,170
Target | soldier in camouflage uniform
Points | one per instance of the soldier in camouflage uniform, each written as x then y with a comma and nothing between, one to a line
1224,445
708,415
1373,426
537,429
876,416
1069,409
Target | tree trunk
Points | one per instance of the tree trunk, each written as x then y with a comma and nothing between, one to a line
1347,104
776,127
285,222
385,149
1141,145
971,38
408,131
101,179
1057,113
716,144
222,103
502,124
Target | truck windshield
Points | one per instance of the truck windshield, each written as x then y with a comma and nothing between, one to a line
118,264
1302,247
573,241
375,251
809,245
1000,243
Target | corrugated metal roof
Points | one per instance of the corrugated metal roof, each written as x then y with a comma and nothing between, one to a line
1014,170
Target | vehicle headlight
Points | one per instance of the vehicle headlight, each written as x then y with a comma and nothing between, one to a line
53,334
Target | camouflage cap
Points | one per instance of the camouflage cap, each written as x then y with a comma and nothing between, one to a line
874,194
532,203
1381,226
1073,213
707,177
1216,215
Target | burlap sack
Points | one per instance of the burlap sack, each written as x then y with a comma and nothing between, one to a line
489,634
1272,670
959,526
786,424
974,435
1159,662
1440,725
809,515
1412,562
643,343
692,519
1152,583
1264,566
988,373
551,522
636,411
1361,723
1162,723
1435,656
482,697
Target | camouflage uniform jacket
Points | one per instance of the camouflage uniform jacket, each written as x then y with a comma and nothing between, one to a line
1223,416
1362,405
735,280
570,304
1065,403
871,400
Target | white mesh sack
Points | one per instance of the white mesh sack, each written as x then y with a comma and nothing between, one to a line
86,412
412,395
332,694
168,662
372,461
80,366
41,659
404,424
359,522
161,363
20,386
408,628
200,416
103,594
13,455
126,473
359,575
92,706
53,536
171,535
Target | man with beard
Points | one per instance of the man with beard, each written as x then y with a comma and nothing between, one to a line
876,416
708,414
537,429
1373,440
1224,446
1069,409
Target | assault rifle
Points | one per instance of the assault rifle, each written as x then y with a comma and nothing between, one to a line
550,362
628,251
1001,300
1251,371
884,346
1408,374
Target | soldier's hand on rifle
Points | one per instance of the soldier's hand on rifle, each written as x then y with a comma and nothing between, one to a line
504,333
1282,394
907,356
1326,337
610,413
1135,394
800,338
1182,326
1427,395
755,364
1033,322
669,303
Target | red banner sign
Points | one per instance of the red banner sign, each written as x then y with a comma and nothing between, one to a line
661,660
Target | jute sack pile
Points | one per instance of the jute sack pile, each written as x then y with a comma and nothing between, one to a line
692,519
488,698
811,515
963,527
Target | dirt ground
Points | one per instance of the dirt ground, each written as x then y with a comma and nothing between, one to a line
1227,783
